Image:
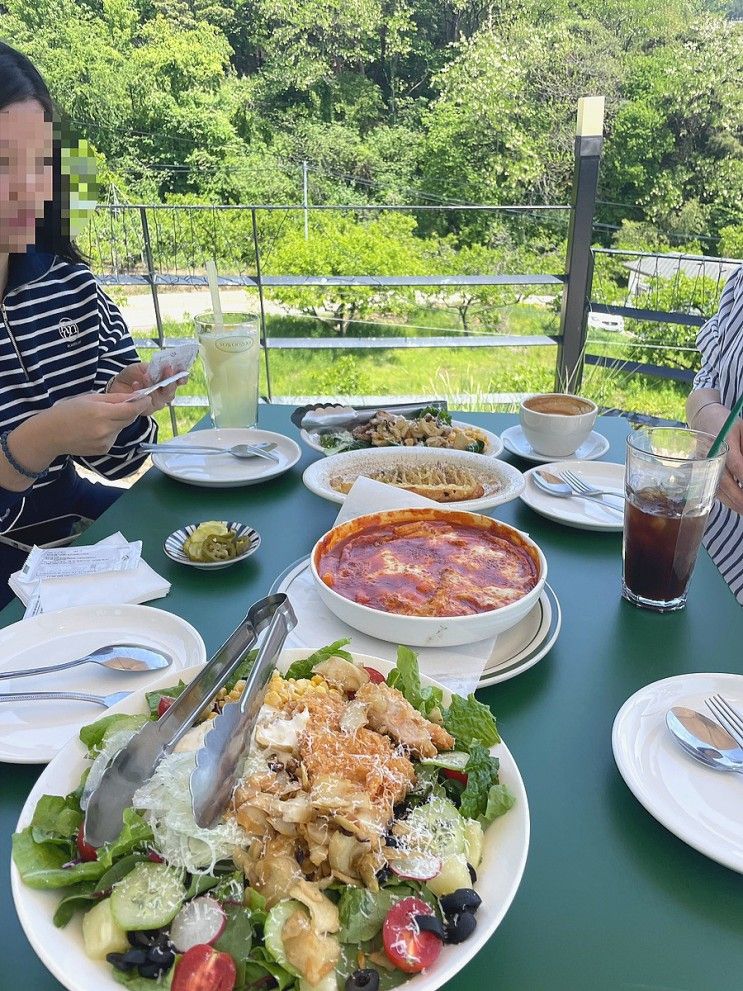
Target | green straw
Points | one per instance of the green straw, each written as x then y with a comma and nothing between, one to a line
726,428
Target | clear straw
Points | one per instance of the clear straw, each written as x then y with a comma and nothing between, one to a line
211,274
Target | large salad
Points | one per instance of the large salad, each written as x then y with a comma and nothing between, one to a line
347,857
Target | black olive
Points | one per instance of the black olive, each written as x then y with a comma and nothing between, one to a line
138,937
117,960
135,956
383,875
430,924
363,980
150,970
391,840
461,928
473,873
461,900
160,955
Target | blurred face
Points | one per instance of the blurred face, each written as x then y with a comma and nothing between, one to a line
25,172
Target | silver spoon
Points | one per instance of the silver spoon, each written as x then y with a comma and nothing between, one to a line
105,700
555,487
117,657
240,451
704,739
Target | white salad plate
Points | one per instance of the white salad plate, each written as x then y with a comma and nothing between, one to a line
223,471
501,481
493,447
514,440
34,732
61,950
513,652
698,804
583,514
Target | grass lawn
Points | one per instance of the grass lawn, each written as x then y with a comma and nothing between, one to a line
436,371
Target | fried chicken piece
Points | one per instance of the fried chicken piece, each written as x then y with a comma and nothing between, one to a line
389,712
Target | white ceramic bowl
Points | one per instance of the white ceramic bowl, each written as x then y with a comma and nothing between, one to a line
428,631
557,434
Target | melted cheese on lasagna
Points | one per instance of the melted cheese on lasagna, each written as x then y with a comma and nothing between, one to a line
428,568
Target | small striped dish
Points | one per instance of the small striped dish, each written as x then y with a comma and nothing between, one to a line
173,546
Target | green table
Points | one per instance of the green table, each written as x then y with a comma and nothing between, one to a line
609,898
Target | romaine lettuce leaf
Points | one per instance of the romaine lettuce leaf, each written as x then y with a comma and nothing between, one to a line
305,667
405,677
134,833
56,820
41,865
500,800
153,698
93,735
259,965
81,898
482,774
469,721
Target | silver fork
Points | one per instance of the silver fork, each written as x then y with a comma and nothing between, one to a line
582,487
728,717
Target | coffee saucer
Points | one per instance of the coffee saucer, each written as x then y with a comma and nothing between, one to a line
514,440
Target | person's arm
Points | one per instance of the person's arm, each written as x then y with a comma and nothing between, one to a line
116,354
706,412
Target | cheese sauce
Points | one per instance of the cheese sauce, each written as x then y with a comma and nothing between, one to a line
428,568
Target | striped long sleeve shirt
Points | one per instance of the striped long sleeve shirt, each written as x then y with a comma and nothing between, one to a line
61,336
721,344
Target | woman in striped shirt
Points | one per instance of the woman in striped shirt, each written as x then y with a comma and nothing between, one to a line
67,362
716,389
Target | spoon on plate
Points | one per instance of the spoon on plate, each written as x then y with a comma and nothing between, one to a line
105,700
117,657
240,451
704,739
556,487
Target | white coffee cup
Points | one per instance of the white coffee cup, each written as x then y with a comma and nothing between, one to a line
557,423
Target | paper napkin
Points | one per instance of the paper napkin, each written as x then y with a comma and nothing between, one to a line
111,588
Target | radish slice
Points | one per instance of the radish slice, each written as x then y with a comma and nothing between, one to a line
414,866
201,920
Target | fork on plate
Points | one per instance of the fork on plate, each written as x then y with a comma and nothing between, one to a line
727,716
582,487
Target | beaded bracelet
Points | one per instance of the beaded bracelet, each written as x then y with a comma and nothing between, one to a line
27,473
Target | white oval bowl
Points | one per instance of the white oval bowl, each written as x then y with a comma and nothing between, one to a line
429,631
504,857
501,481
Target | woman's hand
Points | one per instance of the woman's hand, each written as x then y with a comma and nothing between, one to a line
88,424
135,377
710,419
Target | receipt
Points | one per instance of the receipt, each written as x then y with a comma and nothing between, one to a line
180,358
65,562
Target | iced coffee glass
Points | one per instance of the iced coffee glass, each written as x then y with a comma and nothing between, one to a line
670,486
230,353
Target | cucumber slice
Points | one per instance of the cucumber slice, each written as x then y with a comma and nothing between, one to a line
435,827
148,898
273,927
455,760
473,841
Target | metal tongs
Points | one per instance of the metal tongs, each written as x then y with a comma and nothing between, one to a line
135,763
219,761
328,419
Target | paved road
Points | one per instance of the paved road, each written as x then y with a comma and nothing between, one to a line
139,311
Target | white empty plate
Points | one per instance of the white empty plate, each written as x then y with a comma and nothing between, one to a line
501,481
698,804
583,514
223,470
34,732
514,440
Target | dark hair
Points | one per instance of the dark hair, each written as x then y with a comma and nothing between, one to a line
20,81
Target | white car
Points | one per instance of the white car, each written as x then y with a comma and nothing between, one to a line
606,321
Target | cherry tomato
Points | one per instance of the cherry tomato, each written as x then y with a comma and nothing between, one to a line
406,946
85,850
375,677
155,857
164,704
204,969
455,775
